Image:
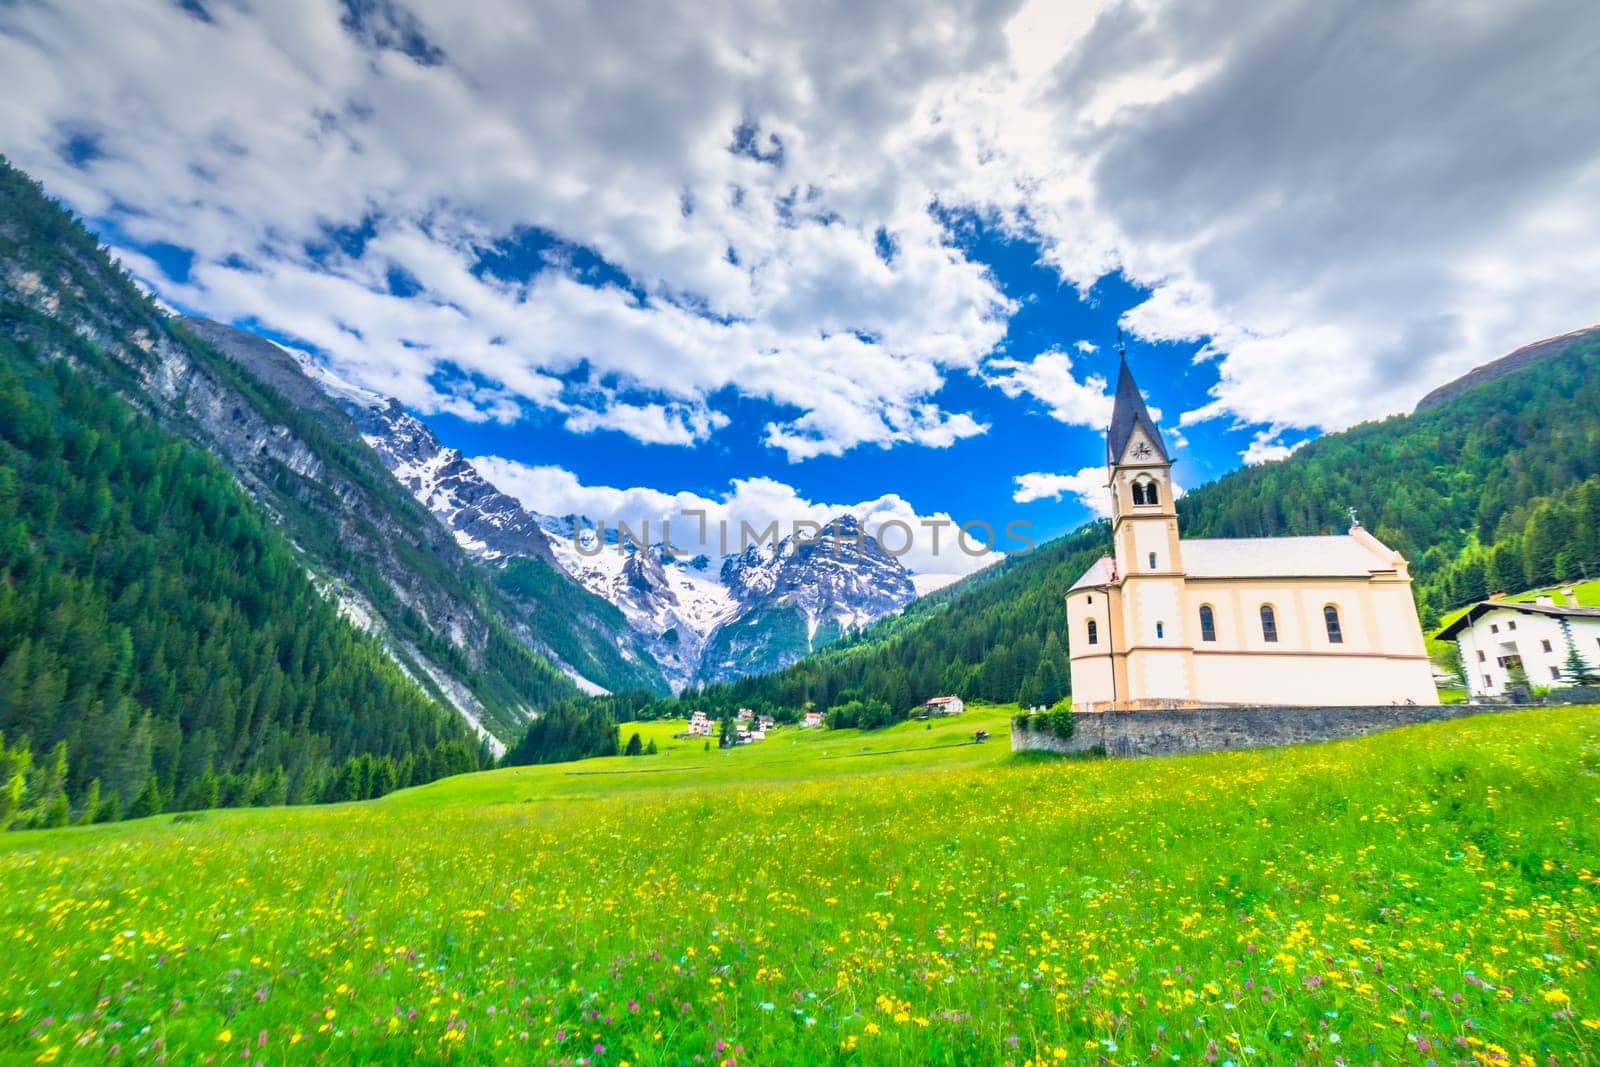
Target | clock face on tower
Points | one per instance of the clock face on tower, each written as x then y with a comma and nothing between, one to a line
1142,450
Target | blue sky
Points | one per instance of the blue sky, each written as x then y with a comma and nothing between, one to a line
740,258
971,479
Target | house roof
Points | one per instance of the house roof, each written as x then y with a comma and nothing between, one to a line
1129,414
940,700
1484,607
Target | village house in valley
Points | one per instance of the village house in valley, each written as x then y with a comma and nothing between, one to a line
1497,638
1168,623
944,706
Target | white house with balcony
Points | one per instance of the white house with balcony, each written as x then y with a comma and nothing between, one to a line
1497,636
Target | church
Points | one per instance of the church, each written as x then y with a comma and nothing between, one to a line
1169,623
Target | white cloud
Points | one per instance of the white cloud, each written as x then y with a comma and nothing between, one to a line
248,135
1347,226
1349,202
1086,347
1048,378
660,424
933,551
1088,485
1265,447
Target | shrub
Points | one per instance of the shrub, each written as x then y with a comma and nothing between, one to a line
1059,722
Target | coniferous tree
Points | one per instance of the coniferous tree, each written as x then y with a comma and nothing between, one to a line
148,802
57,813
91,803
15,762
110,809
1577,670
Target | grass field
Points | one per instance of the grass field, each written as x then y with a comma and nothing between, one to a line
1428,895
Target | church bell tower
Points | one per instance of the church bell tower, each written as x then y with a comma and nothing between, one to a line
1144,516
1159,652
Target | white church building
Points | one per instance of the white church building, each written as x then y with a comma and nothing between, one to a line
1163,622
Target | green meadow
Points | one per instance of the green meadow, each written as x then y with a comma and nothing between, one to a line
1428,895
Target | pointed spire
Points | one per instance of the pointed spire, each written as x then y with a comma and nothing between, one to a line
1129,413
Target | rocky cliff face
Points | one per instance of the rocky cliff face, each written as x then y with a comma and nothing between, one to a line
705,620
673,605
799,595
486,522
478,529
697,620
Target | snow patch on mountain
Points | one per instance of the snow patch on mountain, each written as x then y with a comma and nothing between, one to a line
673,605
706,620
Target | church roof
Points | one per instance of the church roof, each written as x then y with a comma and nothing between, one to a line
1483,607
1100,572
1129,414
1339,556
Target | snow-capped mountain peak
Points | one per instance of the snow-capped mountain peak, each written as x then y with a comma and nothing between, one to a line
701,619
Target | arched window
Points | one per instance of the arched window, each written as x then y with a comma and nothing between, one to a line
1269,623
1330,615
1144,492
1152,561
1094,632
1161,630
1208,623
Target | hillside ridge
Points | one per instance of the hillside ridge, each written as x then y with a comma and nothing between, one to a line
1510,363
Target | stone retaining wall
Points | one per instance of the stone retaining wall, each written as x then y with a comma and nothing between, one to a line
1159,733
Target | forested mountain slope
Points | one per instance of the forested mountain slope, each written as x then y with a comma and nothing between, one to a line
466,638
160,642
1497,485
